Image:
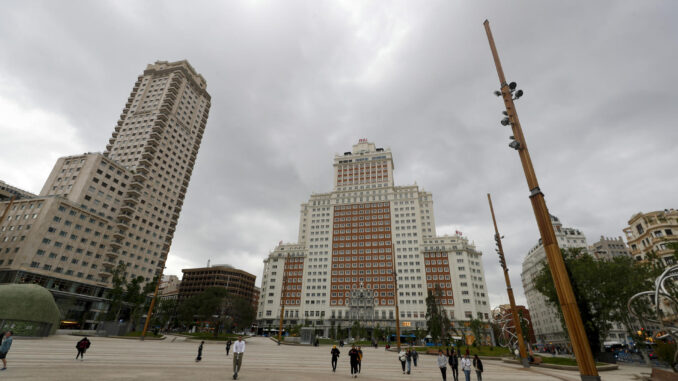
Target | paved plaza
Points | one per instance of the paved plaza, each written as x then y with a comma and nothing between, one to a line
53,358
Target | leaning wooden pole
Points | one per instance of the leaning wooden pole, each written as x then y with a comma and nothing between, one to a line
509,290
568,303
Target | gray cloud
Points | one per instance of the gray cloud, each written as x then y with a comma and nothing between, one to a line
295,82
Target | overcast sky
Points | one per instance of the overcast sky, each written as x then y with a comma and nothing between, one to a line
293,83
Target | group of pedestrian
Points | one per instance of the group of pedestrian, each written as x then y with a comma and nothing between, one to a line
407,357
356,359
466,365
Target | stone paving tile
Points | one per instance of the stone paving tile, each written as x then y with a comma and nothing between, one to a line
53,358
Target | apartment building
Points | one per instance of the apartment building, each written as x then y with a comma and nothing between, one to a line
608,248
365,245
652,232
98,210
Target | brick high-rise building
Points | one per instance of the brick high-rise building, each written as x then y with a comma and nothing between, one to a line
96,211
352,243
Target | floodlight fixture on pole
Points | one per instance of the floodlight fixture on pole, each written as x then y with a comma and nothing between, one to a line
561,280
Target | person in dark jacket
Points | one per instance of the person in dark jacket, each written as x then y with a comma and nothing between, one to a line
415,357
228,346
479,367
82,346
197,359
353,354
453,360
335,355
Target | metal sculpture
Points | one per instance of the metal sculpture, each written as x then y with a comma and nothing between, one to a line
664,305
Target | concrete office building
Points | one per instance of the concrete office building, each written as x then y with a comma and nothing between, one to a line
608,248
169,287
237,282
545,321
652,232
96,210
355,240
7,192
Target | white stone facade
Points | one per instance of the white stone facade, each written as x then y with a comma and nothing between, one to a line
363,233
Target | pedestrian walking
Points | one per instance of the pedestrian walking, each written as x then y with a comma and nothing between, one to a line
453,360
466,366
442,364
5,344
197,359
82,346
415,357
335,355
238,353
402,356
354,355
408,356
360,359
228,346
478,365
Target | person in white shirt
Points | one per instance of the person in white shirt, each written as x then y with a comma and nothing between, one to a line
238,352
442,364
466,366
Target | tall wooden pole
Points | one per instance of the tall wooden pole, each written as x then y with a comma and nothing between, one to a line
282,302
568,303
150,308
509,290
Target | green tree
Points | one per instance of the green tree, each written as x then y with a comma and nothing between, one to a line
165,311
117,292
437,321
241,312
601,288
136,297
208,306
476,327
356,330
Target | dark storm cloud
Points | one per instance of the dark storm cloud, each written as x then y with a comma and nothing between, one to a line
292,83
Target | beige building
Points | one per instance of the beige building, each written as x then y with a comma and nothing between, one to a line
169,287
96,211
7,192
651,232
608,248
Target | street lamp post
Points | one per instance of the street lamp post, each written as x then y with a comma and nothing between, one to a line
509,290
561,280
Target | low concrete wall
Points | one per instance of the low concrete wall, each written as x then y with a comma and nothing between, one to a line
601,368
77,332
